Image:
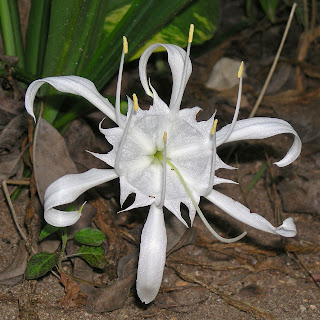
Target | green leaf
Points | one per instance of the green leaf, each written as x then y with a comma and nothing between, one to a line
269,7
90,236
72,25
203,14
36,37
256,177
11,30
47,230
93,255
141,21
40,264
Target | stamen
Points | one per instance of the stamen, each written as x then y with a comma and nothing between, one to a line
214,127
236,113
191,30
125,45
213,156
204,220
124,136
135,102
176,105
164,171
119,120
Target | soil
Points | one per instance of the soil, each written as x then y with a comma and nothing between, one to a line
260,277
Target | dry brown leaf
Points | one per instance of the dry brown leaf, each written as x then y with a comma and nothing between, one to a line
51,159
72,290
14,273
12,133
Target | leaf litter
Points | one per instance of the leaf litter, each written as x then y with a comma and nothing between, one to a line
257,266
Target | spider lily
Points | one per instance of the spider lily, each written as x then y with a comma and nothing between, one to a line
163,155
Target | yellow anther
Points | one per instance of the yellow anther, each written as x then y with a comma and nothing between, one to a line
135,102
191,30
240,70
165,137
125,45
214,126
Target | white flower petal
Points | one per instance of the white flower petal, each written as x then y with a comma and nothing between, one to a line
141,199
67,189
75,85
243,214
152,255
261,128
174,207
218,180
176,59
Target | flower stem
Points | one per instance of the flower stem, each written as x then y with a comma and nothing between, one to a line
64,238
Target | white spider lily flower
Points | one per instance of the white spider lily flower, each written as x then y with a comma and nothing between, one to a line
163,155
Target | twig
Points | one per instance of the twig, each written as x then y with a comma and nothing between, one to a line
275,61
298,261
13,212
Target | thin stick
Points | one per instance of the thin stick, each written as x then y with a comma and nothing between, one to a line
18,182
255,108
13,212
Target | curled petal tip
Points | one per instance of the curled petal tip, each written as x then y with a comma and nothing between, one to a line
287,229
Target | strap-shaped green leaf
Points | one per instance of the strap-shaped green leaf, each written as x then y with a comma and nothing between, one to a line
72,24
142,20
203,14
36,37
11,30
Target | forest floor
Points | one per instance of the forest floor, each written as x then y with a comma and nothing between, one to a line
260,277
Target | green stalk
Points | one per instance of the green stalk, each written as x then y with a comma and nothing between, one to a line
11,31
36,37
7,28
64,238
16,28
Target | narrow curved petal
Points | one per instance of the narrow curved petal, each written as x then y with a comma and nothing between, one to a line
67,189
261,128
75,85
243,214
176,59
152,255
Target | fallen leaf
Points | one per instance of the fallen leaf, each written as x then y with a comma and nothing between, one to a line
112,297
51,158
12,133
72,290
14,273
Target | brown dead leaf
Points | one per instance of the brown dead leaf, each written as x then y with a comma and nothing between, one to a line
112,297
11,168
51,159
12,133
14,273
11,106
72,289
79,137
10,164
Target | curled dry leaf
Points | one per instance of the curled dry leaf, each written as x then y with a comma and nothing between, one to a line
72,291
